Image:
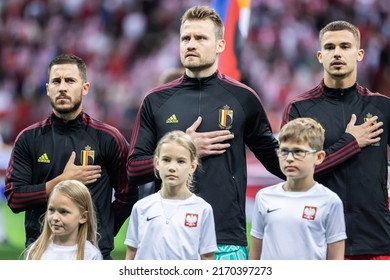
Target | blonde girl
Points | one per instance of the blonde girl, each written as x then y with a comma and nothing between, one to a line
173,223
69,230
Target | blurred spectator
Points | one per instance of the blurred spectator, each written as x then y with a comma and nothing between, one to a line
128,44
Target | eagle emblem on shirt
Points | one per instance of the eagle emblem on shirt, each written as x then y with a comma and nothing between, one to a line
309,213
191,220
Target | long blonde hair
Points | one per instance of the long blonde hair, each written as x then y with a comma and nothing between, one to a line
79,194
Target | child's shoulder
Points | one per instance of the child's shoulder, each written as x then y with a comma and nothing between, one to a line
271,189
197,199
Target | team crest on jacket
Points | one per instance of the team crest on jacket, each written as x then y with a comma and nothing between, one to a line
309,213
191,220
225,117
87,156
368,116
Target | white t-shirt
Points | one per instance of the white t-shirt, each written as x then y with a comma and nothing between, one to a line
297,225
168,229
59,252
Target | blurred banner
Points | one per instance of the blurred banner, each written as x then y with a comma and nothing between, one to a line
235,15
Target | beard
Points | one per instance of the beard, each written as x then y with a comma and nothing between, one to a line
197,66
69,109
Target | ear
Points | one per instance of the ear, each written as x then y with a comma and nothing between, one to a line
320,157
83,218
360,55
220,46
319,56
85,88
156,163
194,165
47,89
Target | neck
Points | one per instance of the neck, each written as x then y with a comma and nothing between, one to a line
175,193
298,185
342,82
64,240
201,73
67,116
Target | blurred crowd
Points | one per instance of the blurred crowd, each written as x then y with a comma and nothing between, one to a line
129,44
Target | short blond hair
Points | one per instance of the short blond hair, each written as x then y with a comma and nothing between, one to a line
203,13
303,131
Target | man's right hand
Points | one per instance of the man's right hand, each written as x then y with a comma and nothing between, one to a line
367,133
86,174
209,143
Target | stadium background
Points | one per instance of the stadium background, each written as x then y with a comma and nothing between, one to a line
129,44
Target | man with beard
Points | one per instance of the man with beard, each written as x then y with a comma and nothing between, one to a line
221,114
70,145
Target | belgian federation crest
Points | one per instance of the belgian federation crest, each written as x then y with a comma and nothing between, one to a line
225,117
368,116
87,156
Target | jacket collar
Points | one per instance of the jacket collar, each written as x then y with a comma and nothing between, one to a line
65,125
339,92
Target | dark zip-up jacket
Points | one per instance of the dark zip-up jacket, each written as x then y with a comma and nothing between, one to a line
221,180
40,154
358,176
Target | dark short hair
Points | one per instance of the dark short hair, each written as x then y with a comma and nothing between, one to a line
341,25
70,59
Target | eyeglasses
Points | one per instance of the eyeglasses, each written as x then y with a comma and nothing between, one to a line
296,153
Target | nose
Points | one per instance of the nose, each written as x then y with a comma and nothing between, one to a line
55,216
191,44
171,168
62,86
290,156
337,52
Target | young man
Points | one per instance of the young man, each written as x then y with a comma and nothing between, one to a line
221,114
356,123
299,219
70,145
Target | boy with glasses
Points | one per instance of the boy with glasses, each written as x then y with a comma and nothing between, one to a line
299,218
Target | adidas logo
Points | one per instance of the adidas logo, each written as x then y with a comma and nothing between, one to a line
172,119
44,158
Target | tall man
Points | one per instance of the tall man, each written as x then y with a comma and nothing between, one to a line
70,145
221,114
356,123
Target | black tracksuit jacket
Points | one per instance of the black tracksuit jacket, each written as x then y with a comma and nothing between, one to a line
221,180
358,176
40,154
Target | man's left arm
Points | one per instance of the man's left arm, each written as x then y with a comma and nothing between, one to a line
260,139
125,195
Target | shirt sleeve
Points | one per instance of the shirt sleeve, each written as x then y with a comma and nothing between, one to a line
257,229
21,194
337,153
208,242
140,169
132,236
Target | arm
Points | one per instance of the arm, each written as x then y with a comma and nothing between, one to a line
335,251
143,142
207,256
259,138
255,248
125,194
209,143
349,144
27,187
130,253
21,194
